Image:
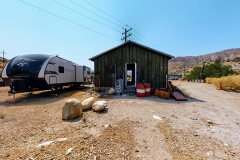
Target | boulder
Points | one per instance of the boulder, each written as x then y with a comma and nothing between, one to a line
71,109
99,106
87,103
111,91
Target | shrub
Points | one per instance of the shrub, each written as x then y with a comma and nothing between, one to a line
229,82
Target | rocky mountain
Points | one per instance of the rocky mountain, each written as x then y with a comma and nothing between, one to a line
228,57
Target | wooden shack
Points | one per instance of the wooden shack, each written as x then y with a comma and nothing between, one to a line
132,62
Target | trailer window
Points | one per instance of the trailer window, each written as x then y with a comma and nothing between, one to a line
61,69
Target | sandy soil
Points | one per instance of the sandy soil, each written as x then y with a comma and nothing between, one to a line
207,126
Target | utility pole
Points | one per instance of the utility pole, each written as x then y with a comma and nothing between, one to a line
184,72
125,33
3,58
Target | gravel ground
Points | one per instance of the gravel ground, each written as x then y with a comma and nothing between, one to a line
207,126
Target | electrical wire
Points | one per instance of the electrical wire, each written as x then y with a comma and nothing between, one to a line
119,21
67,20
138,39
95,13
105,12
85,15
144,38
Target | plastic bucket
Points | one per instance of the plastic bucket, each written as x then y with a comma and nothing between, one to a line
140,90
147,89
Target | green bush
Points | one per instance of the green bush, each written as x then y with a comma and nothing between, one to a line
213,70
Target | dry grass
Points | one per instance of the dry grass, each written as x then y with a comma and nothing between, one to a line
182,91
228,83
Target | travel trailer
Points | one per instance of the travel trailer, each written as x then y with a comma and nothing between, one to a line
27,73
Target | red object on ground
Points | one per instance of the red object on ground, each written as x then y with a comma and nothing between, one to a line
140,90
169,86
220,87
178,97
147,89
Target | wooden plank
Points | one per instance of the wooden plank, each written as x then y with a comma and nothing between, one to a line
178,97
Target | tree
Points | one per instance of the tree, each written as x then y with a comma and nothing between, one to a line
215,69
194,74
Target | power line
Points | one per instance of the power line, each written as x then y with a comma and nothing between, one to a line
145,38
105,12
85,15
95,13
138,39
67,20
119,21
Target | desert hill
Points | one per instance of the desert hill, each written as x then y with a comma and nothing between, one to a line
228,57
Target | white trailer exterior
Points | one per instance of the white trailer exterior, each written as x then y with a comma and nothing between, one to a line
83,74
38,72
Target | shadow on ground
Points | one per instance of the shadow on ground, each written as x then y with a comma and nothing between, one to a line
39,97
149,98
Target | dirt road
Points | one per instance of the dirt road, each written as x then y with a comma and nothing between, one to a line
207,126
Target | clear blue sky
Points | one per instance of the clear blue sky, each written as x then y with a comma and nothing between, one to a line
176,27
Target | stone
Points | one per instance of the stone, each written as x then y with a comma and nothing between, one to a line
69,151
71,109
107,125
195,133
209,121
99,106
111,91
61,139
156,117
44,144
87,103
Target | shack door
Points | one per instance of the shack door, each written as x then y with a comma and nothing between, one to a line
131,74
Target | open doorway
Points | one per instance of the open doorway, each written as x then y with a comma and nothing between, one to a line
130,70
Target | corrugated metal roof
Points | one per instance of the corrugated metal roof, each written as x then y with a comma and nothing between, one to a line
165,54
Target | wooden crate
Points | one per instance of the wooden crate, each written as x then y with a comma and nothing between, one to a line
162,94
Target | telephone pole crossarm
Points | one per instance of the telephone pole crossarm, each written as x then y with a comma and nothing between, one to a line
126,35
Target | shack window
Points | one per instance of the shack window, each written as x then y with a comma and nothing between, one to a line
61,69
110,69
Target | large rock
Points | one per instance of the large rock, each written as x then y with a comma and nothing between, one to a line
87,103
71,109
111,91
99,106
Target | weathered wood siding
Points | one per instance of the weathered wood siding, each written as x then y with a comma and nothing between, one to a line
152,67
